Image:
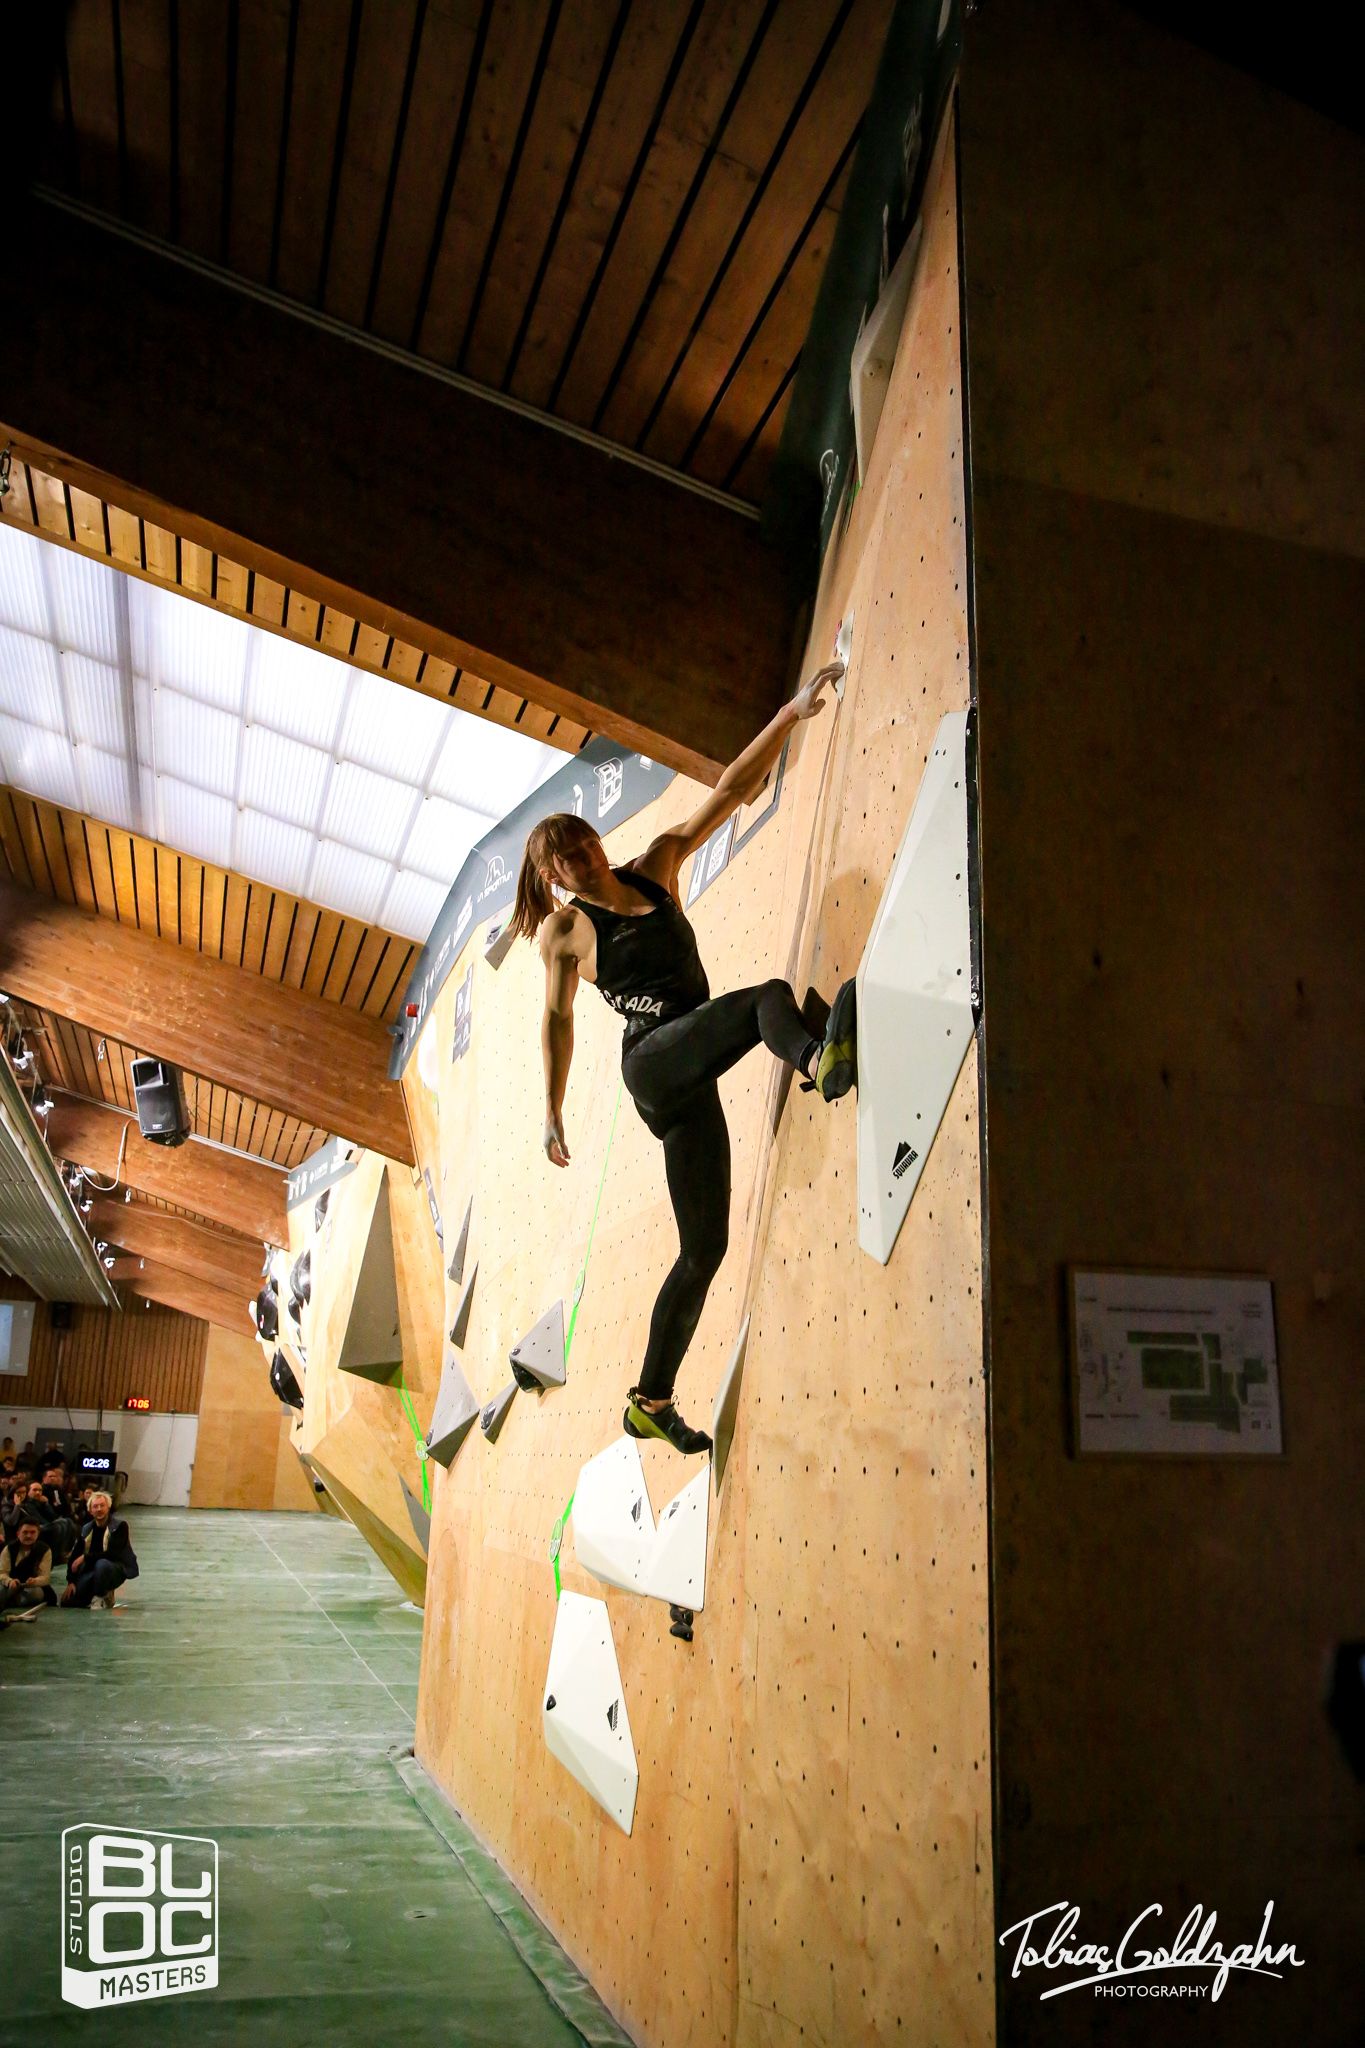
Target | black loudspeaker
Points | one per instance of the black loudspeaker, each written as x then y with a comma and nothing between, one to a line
160,1099
59,1314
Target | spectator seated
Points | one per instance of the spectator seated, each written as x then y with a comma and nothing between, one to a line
103,1557
26,1568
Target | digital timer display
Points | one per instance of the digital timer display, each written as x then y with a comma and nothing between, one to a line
138,1401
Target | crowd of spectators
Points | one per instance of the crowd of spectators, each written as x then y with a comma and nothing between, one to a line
52,1518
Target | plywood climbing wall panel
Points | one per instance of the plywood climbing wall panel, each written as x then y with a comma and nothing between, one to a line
810,1858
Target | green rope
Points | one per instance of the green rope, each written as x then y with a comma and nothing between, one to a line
587,1254
557,1533
557,1541
406,1398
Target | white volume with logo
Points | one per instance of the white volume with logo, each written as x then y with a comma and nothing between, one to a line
915,995
584,1711
615,1536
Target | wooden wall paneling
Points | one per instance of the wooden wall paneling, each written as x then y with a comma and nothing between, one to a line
243,1455
355,1433
107,1355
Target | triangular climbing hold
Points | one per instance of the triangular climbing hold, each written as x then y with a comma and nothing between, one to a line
727,1406
615,1537
540,1353
455,1270
455,1413
459,1329
372,1347
585,1717
495,1411
498,944
417,1515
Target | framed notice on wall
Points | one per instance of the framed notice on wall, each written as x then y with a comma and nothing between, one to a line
1173,1364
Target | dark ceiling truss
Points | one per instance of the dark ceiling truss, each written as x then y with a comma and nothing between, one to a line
468,191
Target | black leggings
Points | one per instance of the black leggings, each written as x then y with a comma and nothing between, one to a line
671,1073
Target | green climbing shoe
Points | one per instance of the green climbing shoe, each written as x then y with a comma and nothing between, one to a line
837,1068
666,1424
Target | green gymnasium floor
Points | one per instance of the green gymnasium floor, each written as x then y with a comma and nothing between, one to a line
259,1687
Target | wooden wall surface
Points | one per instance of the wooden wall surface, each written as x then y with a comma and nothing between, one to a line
1164,299
811,1854
354,1433
244,1456
105,1356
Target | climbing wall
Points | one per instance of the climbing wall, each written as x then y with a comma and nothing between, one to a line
810,1854
357,1435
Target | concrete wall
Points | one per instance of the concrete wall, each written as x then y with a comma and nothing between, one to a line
811,1852
1164,311
244,1457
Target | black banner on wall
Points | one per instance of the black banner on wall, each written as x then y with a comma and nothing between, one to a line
817,452
605,784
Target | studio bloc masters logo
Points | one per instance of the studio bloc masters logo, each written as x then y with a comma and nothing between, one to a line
139,1915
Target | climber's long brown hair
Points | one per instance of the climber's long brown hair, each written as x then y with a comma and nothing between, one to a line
535,896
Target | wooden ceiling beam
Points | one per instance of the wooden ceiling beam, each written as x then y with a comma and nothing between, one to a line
219,1185
222,1259
309,1058
192,1297
591,586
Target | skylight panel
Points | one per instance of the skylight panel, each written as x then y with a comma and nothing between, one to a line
351,882
104,787
298,691
194,822
412,905
83,597
367,811
94,696
441,836
270,852
30,684
197,651
281,777
489,767
392,729
39,760
22,602
237,746
190,740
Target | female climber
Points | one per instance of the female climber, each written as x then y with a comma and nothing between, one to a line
624,930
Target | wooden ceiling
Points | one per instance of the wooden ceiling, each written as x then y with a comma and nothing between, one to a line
135,881
613,211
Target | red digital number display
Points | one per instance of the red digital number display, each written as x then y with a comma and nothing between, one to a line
137,1401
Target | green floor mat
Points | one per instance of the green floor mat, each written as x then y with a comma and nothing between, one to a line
259,1688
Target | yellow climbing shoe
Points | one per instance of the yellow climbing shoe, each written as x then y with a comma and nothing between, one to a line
837,1068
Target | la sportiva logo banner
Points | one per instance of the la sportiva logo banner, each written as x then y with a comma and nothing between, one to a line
139,1915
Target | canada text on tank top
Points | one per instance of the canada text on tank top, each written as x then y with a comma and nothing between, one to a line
648,967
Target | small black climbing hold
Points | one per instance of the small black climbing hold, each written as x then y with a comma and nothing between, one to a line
549,1704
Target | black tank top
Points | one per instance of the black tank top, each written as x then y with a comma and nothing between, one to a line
648,967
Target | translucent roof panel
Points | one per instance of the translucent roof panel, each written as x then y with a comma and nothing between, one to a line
149,711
